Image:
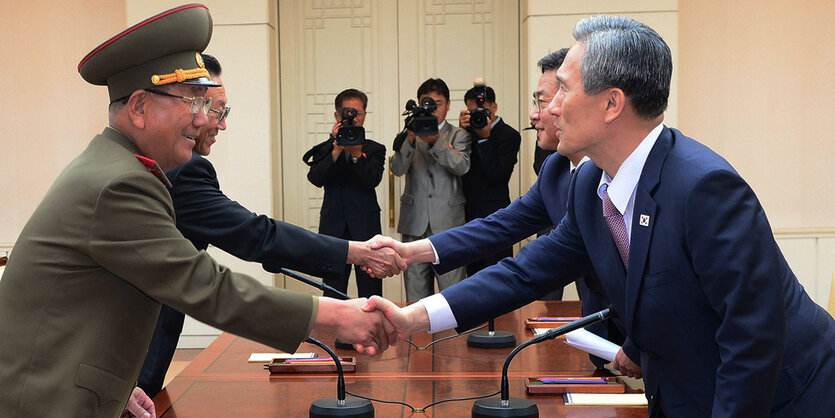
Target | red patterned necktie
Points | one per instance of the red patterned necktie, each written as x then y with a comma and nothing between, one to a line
615,220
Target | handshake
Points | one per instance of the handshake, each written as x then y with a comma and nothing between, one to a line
383,257
372,325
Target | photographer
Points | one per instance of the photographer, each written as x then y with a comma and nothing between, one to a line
433,199
494,148
349,167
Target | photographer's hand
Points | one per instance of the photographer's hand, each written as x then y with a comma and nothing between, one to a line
354,150
464,119
410,135
483,133
337,150
430,139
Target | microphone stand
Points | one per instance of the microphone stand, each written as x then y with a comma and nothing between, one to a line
518,407
324,287
340,406
491,338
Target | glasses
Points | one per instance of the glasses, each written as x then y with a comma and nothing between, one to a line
540,103
220,114
197,103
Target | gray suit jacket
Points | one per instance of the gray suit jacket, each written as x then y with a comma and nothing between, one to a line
82,290
434,195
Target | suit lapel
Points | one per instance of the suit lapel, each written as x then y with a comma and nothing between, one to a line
643,220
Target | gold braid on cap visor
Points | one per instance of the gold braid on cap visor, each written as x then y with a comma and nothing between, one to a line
179,76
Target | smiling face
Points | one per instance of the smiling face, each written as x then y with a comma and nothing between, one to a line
578,116
209,132
542,121
170,127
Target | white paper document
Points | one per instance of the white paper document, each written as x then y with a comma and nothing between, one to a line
268,357
592,344
605,399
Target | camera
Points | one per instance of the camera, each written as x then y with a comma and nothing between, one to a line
480,117
349,133
420,119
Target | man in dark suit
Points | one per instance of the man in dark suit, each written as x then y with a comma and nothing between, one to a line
492,157
678,239
82,290
205,215
349,174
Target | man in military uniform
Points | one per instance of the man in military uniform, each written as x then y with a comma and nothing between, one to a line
82,290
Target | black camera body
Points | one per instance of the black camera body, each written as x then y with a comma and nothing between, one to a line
420,119
349,133
480,117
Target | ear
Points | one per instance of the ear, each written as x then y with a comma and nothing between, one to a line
137,108
494,108
615,104
336,116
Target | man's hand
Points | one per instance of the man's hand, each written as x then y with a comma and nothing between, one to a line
419,251
337,150
378,262
464,119
354,150
626,366
410,135
370,332
406,321
139,405
430,139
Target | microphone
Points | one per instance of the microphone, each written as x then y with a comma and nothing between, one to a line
319,285
518,407
338,406
306,280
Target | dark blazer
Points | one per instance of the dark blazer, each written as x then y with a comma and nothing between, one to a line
491,165
206,216
722,323
349,190
543,205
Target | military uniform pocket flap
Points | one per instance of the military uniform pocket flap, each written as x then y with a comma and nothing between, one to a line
107,386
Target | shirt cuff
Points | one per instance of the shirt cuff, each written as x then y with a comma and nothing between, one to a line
440,314
435,252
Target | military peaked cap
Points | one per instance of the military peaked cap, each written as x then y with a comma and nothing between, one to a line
160,50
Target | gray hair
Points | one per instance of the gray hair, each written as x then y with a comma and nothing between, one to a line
629,55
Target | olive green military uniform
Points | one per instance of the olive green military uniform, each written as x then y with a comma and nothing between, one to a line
82,290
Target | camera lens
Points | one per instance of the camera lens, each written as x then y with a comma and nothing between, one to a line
478,119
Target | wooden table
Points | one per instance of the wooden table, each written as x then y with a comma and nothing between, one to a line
220,382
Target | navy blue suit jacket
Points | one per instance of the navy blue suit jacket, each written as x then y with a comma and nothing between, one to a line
542,206
723,325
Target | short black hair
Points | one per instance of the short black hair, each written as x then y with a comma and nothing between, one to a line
212,65
552,61
349,94
489,94
433,85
